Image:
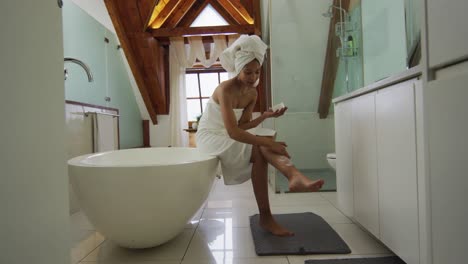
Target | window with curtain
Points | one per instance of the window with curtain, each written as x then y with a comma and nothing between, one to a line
200,85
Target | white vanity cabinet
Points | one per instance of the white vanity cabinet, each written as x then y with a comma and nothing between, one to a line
447,31
396,169
364,162
343,146
377,174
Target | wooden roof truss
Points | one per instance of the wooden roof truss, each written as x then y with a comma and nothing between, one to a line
145,26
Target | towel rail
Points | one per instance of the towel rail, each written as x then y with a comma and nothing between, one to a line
95,113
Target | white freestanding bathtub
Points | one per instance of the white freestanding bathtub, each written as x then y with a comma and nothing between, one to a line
141,198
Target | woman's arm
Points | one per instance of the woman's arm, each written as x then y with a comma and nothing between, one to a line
230,122
245,121
253,123
238,134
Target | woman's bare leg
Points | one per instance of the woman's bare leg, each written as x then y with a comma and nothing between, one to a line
260,187
298,182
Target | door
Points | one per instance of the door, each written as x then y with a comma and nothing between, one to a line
364,163
396,155
344,152
447,125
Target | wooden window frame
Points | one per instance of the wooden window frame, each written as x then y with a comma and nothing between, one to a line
201,70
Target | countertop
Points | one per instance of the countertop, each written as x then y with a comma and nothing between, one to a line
399,77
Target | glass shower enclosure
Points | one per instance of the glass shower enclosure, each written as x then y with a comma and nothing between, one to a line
374,39
298,54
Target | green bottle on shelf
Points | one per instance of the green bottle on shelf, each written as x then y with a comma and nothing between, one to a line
349,49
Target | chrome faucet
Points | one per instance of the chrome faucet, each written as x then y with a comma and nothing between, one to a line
82,64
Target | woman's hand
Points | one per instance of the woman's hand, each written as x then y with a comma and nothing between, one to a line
280,148
270,113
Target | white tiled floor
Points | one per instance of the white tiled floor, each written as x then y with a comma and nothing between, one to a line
220,233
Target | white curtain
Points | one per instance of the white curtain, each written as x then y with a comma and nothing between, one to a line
182,56
178,104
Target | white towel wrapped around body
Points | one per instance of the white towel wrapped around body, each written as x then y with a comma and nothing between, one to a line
212,138
244,50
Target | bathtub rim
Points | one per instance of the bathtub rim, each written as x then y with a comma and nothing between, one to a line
77,161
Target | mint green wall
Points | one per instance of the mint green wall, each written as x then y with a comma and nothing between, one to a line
298,42
84,40
298,38
384,38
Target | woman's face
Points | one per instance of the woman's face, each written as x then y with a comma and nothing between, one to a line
250,73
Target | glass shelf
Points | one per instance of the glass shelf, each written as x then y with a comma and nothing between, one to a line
346,52
347,27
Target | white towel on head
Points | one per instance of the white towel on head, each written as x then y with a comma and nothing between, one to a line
244,50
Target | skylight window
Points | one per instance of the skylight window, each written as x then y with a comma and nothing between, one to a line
209,17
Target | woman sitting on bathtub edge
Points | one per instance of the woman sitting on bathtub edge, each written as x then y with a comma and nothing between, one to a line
222,131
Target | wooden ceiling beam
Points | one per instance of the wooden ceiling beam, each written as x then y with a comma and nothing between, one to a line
113,10
182,9
205,39
148,57
166,12
132,19
192,14
257,17
231,10
143,53
227,15
189,31
237,10
330,67
146,8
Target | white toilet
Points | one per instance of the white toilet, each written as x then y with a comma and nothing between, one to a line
331,158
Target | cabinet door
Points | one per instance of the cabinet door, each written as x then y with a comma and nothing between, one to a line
344,168
447,125
447,31
364,163
396,155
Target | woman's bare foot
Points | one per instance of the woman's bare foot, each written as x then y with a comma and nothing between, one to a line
300,183
269,224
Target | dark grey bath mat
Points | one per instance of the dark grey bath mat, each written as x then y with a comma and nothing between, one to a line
381,260
312,236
